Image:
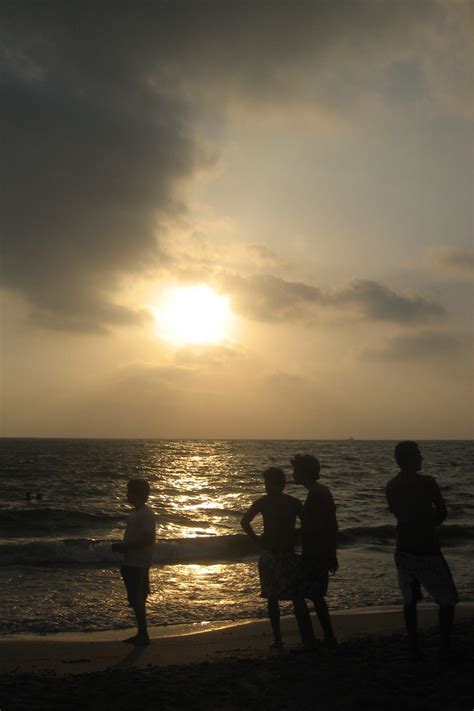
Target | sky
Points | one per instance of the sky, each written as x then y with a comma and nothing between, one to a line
237,219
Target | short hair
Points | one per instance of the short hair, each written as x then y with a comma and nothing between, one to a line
306,464
275,477
140,487
405,452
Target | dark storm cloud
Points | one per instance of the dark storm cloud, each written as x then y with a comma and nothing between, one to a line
85,180
238,42
89,166
272,299
96,132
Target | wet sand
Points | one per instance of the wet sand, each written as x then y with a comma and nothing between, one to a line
232,668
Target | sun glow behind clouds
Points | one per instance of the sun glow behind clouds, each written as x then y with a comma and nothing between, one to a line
193,314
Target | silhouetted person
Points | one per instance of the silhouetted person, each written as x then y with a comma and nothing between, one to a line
39,496
416,501
137,550
28,496
319,532
278,564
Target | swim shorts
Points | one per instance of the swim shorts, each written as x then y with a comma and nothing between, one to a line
431,571
314,578
137,583
279,575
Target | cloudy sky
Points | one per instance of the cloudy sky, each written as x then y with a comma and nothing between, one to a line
237,219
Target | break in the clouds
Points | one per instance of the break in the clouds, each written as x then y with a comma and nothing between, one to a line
260,295
97,125
193,252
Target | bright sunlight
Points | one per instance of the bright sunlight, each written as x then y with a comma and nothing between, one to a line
193,314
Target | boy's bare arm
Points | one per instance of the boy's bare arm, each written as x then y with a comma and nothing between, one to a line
246,522
332,533
390,503
299,511
440,511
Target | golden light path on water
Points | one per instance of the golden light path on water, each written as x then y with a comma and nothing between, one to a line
195,491
207,585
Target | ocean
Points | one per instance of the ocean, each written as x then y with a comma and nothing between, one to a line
57,572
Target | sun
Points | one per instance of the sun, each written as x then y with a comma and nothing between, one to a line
193,314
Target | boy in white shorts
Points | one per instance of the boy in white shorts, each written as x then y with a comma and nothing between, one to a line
420,509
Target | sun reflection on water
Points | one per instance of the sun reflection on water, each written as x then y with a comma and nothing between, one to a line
191,493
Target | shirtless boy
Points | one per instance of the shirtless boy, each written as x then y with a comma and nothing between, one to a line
278,564
319,533
419,507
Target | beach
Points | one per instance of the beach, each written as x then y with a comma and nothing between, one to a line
230,666
64,613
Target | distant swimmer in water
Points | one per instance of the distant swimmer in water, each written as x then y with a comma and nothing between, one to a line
419,507
278,564
319,533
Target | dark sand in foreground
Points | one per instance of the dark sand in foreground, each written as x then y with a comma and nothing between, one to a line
370,670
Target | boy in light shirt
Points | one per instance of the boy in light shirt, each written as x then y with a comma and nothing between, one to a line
137,555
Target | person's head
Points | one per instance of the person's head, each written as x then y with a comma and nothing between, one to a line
408,456
274,479
138,491
306,469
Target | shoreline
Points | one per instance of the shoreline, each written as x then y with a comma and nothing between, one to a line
190,644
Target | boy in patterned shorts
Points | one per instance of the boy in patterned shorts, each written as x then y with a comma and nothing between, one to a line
419,507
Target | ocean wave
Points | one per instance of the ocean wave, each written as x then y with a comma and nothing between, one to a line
449,534
86,551
348,536
44,519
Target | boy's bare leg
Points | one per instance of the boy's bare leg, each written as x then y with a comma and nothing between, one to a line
274,615
446,622
410,613
140,615
304,622
324,618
